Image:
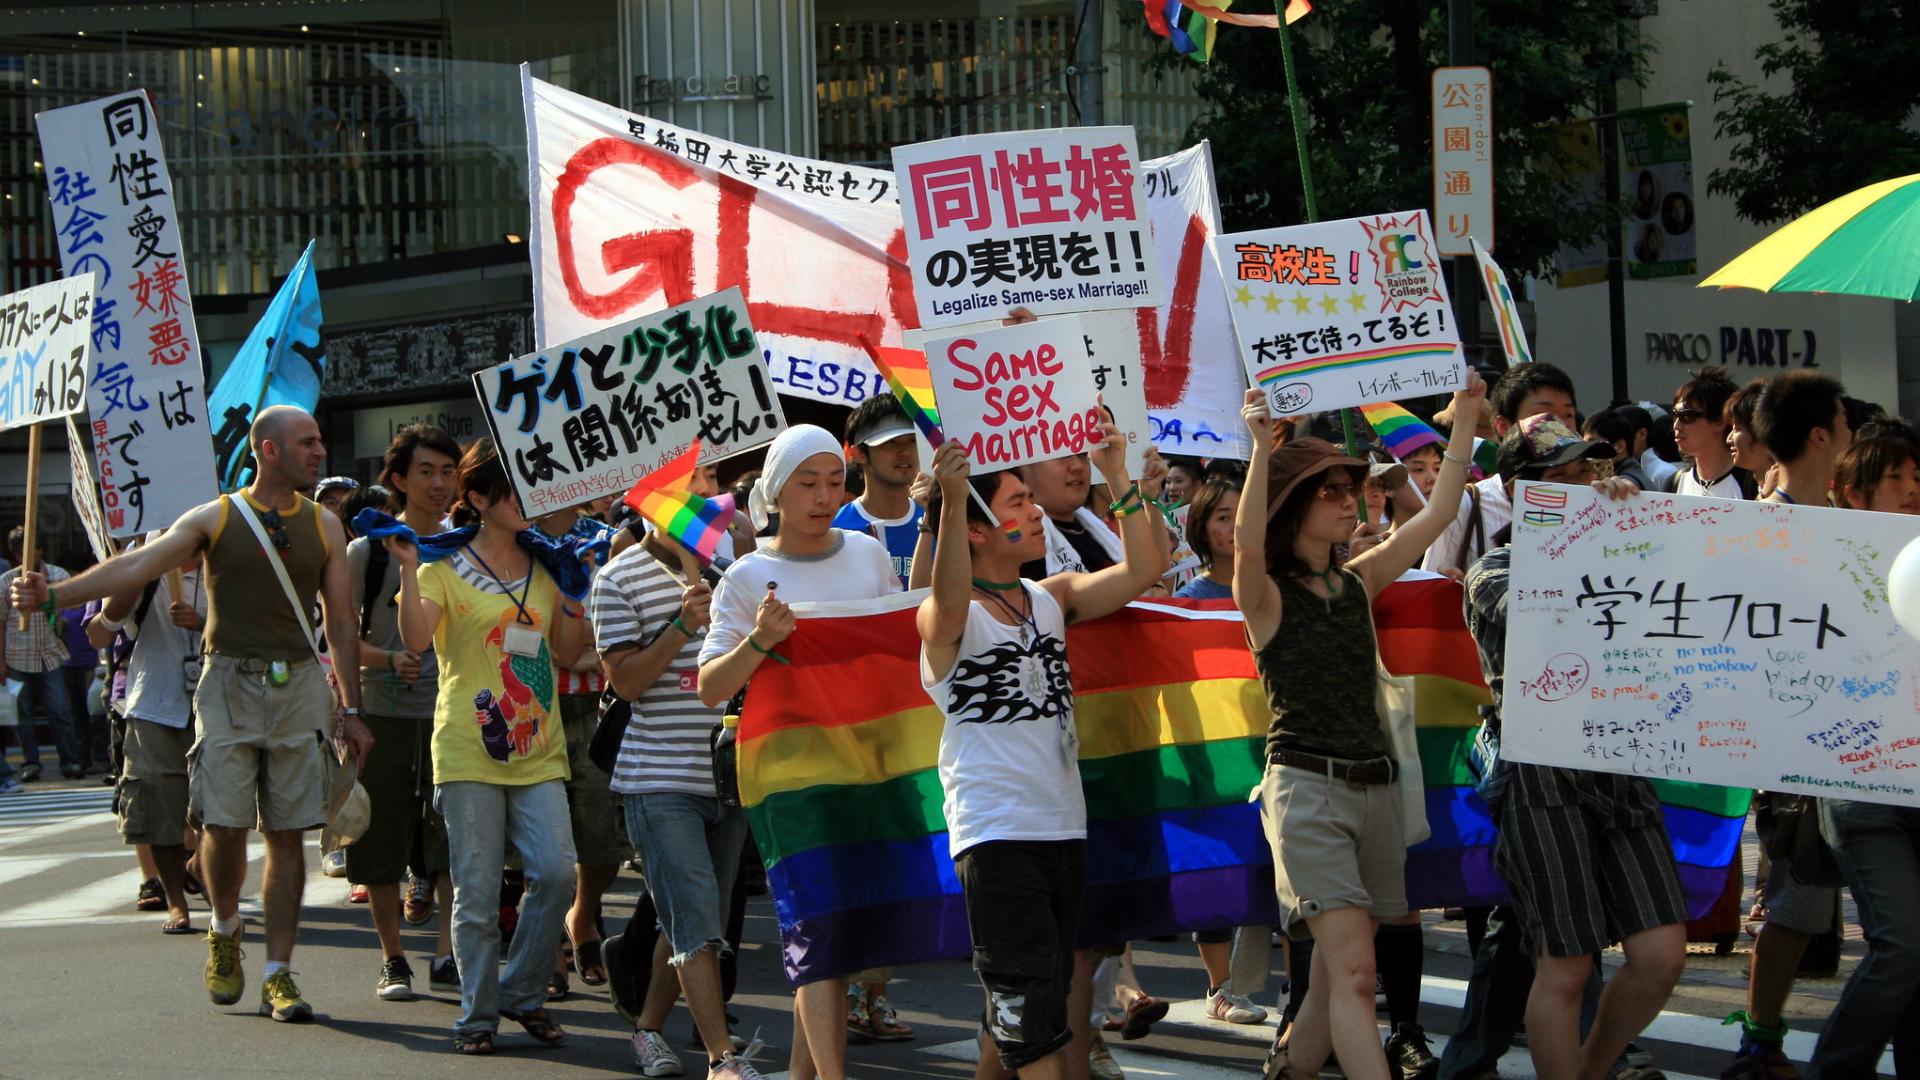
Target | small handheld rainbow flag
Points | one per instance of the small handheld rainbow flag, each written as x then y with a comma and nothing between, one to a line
911,381
662,497
1400,430
1189,27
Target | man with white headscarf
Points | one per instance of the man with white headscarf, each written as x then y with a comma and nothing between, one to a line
804,481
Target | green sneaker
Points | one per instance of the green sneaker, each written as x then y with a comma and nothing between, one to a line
225,980
280,999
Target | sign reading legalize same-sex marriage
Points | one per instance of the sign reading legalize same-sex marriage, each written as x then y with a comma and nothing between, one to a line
1341,313
588,418
1736,643
622,202
1016,394
115,219
43,351
1052,221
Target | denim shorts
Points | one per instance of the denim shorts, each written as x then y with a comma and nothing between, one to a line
690,848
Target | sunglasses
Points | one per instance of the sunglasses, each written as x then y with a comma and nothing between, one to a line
1335,492
1687,416
277,530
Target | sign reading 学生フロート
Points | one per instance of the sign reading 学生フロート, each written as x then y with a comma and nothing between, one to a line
1053,221
1017,393
591,416
1722,642
1341,313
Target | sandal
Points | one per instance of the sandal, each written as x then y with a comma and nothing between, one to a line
181,925
191,884
1141,1015
588,964
473,1042
557,988
537,1024
151,898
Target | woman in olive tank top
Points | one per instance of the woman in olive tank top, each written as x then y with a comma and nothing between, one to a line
1329,806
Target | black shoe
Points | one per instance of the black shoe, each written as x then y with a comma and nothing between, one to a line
29,773
73,772
622,989
443,974
1408,1055
396,980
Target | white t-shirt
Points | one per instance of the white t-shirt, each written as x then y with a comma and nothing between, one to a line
667,745
856,567
1062,558
157,688
1727,486
1658,469
1495,514
1009,755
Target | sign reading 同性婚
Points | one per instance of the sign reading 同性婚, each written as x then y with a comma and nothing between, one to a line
1734,643
1053,221
43,347
114,218
1016,394
1341,313
589,417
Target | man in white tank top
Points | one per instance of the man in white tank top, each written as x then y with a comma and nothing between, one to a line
993,658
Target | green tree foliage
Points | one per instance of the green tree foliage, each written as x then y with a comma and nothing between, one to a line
1845,118
1365,72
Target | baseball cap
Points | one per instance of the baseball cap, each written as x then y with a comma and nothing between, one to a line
1543,442
1388,474
883,429
331,482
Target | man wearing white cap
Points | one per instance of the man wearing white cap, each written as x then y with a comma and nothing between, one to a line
805,481
880,440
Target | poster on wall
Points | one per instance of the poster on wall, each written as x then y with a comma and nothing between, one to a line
1656,156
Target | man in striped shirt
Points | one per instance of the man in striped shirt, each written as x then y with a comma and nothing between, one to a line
650,610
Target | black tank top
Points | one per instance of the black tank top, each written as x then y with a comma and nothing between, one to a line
1318,671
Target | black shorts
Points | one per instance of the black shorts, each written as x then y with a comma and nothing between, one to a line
1023,910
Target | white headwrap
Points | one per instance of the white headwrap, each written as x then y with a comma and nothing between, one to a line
789,449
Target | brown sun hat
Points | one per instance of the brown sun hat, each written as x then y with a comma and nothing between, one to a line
1302,460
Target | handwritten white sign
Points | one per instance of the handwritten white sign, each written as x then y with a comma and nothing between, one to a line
1016,394
1734,643
43,347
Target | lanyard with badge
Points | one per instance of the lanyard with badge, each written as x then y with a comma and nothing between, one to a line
523,637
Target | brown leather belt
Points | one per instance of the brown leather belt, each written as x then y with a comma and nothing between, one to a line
1380,770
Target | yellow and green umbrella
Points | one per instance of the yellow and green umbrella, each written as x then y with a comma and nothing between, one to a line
1866,243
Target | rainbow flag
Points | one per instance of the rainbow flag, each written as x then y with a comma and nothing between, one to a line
911,381
1422,628
662,497
1399,430
837,771
1189,27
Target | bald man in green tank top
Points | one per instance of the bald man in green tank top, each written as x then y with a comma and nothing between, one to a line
264,708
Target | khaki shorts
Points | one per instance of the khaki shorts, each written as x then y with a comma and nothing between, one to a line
261,758
152,792
599,831
1335,845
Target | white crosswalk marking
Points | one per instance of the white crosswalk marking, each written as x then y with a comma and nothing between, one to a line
23,809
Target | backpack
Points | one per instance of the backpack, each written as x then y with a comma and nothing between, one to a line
370,585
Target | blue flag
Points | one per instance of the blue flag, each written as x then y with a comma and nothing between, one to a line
283,362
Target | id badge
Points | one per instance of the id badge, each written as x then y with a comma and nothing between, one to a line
522,640
278,672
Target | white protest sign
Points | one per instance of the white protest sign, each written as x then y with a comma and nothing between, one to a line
589,417
1016,394
1112,341
86,494
1341,313
1506,315
1053,221
1733,643
1195,385
115,219
43,351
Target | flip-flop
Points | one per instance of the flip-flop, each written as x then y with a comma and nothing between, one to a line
190,883
587,963
183,926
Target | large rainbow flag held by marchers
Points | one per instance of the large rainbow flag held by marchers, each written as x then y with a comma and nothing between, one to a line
838,753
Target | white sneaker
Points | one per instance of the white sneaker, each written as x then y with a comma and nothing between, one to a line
1234,1008
654,1056
734,1067
334,863
1100,1061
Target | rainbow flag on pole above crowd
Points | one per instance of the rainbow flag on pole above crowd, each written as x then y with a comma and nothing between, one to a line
838,754
662,497
1189,27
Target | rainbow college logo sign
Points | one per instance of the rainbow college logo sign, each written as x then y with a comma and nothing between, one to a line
1406,268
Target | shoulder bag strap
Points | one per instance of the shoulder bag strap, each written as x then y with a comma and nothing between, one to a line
1475,532
279,570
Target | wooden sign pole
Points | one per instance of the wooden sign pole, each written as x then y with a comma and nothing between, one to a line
29,552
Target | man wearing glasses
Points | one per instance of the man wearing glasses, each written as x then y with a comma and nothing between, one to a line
263,706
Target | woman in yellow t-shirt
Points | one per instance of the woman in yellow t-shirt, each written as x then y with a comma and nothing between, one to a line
498,624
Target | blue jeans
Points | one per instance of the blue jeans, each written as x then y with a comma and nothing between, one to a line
44,693
690,847
1878,849
481,820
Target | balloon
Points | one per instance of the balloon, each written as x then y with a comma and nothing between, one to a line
1903,588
